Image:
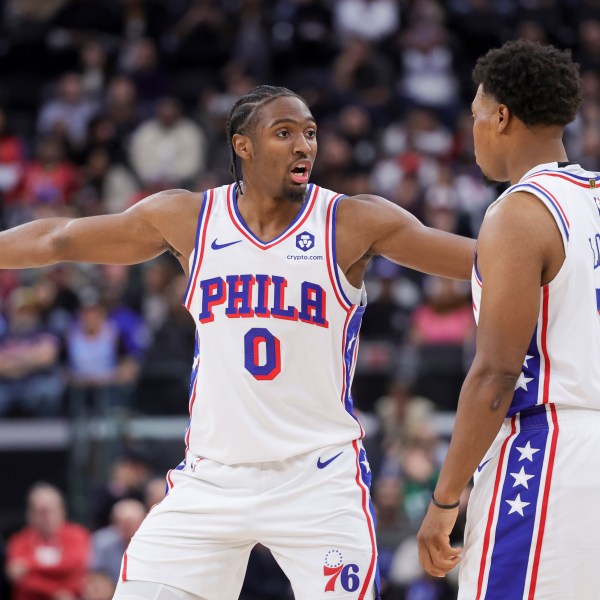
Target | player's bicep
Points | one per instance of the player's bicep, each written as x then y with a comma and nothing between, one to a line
125,238
510,257
403,239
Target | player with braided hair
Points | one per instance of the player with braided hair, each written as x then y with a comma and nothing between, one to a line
242,115
273,448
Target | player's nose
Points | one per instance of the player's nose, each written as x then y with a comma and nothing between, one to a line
302,145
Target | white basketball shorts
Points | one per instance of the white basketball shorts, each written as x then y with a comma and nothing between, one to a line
312,511
533,523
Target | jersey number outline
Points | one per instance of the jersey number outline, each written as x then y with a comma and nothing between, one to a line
253,339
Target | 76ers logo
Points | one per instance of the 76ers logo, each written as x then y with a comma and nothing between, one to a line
334,568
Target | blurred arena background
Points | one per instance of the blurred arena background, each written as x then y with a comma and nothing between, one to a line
103,102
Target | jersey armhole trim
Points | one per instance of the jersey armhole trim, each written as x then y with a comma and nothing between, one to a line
198,251
332,266
552,205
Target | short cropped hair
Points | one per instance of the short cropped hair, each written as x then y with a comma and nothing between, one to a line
539,84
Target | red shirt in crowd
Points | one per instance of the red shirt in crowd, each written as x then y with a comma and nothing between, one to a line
58,563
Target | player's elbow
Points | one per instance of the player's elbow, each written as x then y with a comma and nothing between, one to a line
58,244
495,381
496,374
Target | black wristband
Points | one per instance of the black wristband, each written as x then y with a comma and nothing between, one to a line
444,506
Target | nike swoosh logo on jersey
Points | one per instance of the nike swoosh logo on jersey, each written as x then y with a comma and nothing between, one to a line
321,464
483,465
216,246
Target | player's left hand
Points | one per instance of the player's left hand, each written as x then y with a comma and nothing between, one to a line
436,555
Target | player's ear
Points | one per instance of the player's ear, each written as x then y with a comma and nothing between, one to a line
503,116
242,145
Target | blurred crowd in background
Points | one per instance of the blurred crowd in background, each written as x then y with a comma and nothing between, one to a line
104,102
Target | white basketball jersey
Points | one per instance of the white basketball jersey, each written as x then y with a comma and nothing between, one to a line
277,335
562,364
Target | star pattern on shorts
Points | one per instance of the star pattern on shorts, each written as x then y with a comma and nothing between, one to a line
527,452
521,478
517,505
522,382
365,463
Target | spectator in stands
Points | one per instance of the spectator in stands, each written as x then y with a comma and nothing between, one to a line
31,380
412,453
96,352
364,74
12,157
202,41
304,42
163,385
56,298
128,477
169,148
110,542
140,61
122,299
93,60
47,185
105,185
440,328
428,77
372,20
69,110
392,525
121,108
157,295
47,560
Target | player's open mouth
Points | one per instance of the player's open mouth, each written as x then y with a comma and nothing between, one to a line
300,172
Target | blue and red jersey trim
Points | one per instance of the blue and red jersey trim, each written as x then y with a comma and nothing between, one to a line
303,214
199,246
331,252
554,203
579,180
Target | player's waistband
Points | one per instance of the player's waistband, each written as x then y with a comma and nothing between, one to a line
538,416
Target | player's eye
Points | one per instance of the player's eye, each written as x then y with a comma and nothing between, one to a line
283,133
311,134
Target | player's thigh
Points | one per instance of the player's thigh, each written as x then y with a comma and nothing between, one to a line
147,590
532,529
197,538
320,528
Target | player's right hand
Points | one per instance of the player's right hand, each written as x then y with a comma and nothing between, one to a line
436,555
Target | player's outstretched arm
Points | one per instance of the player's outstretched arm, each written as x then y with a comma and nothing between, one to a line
383,228
144,231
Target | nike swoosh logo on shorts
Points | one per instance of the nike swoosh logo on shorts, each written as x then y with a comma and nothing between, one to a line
321,464
216,246
483,465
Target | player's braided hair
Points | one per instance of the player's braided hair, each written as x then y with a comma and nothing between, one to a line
243,115
539,84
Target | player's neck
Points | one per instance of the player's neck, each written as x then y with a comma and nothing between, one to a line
532,152
265,215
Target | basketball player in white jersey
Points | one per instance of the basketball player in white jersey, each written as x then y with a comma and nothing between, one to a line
528,421
273,449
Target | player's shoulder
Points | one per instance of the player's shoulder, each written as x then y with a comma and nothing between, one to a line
367,208
363,202
167,201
